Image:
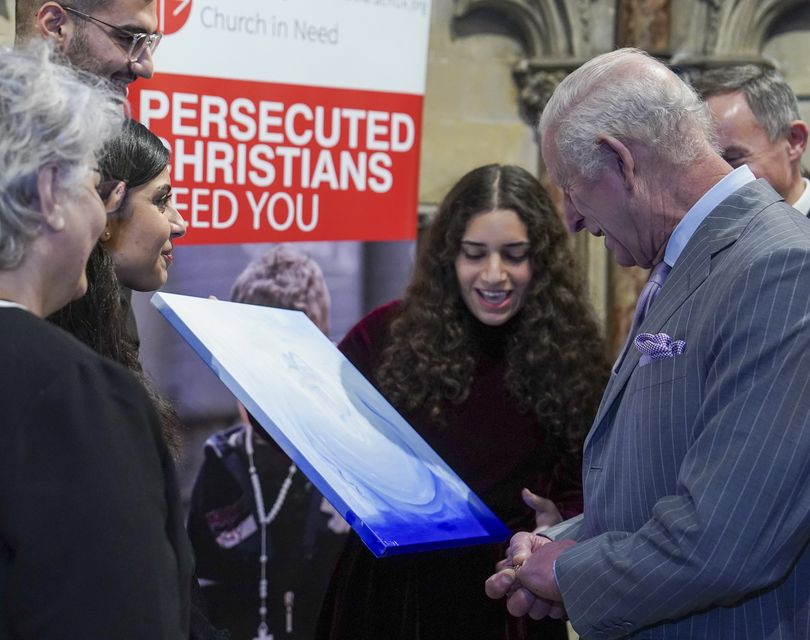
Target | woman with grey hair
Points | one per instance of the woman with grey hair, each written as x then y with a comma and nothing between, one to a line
300,530
288,279
91,537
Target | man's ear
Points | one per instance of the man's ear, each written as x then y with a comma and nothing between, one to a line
50,23
797,139
47,178
621,158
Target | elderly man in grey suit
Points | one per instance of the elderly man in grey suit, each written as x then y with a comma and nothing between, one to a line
696,471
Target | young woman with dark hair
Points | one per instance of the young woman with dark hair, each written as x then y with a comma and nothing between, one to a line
134,252
140,232
496,359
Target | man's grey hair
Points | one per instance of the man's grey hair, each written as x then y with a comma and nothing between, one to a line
622,95
769,96
50,115
26,10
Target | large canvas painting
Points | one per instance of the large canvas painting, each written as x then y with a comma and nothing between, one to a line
382,477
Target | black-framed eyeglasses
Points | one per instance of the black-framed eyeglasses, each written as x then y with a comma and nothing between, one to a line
137,42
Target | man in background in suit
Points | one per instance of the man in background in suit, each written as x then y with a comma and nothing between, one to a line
695,474
758,124
114,39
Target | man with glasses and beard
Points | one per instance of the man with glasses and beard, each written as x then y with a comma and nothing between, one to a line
114,39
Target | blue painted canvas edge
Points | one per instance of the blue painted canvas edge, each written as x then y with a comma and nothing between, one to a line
496,530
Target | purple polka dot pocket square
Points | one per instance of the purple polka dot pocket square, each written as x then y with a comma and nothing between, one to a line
657,346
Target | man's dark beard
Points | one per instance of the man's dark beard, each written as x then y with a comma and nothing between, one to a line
79,56
77,52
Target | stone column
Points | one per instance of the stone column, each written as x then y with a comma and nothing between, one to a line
644,24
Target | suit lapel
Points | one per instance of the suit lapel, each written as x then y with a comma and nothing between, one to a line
720,229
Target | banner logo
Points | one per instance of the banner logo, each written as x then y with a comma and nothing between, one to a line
172,15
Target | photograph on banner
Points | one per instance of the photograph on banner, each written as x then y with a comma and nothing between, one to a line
291,121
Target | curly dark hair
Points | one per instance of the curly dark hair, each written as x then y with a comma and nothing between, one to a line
556,356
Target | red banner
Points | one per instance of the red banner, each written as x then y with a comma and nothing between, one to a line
264,162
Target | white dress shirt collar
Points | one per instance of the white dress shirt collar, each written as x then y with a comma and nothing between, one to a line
803,203
686,228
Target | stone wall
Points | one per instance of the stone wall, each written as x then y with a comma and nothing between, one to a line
471,109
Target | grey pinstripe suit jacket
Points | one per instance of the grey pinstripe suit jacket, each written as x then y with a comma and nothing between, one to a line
697,468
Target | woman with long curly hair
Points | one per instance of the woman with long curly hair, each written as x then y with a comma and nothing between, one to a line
496,359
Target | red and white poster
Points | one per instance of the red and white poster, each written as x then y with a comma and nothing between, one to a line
290,120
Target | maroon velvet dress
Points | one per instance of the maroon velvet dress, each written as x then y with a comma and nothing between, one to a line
497,451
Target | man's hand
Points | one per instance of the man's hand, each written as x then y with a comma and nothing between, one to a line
526,577
521,601
537,572
520,547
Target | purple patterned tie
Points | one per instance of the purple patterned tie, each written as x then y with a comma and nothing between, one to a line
657,277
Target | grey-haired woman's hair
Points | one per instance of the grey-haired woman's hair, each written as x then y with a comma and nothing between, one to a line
642,102
287,279
50,115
